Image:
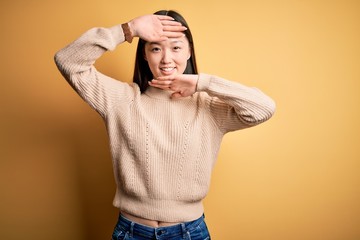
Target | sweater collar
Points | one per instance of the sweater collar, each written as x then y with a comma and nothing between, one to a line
158,93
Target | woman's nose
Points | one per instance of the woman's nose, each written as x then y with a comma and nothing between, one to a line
166,58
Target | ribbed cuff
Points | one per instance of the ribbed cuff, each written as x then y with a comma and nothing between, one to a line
203,82
118,34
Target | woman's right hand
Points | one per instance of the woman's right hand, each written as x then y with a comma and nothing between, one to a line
155,28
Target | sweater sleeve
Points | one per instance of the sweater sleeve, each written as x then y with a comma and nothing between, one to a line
233,105
76,64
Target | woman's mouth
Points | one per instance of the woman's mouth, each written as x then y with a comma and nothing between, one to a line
167,70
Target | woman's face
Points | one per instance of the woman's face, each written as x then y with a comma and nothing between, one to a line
167,57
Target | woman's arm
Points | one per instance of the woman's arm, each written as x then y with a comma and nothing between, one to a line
232,105
76,61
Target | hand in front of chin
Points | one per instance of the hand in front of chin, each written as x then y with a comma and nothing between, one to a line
183,85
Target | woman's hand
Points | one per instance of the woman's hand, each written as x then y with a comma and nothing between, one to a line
155,28
183,85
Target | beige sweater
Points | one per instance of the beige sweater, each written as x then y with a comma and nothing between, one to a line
163,150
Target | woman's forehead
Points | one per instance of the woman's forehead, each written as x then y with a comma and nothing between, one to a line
182,39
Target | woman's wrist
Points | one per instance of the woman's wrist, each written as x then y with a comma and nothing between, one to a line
128,32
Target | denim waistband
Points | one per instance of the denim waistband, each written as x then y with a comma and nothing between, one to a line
160,232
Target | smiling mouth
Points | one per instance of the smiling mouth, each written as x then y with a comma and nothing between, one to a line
167,69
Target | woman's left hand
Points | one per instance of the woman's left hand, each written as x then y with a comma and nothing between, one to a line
183,85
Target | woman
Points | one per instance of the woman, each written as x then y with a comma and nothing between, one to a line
165,129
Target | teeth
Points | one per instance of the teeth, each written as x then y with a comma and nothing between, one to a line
168,69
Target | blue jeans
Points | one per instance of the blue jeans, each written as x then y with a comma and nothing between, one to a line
194,230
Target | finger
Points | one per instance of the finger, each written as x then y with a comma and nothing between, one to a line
152,83
164,17
176,95
174,28
162,38
165,87
165,78
173,34
161,82
170,23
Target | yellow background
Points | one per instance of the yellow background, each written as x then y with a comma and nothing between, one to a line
295,177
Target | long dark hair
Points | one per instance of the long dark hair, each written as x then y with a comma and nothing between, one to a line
142,72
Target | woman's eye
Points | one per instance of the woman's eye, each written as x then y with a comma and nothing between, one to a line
177,48
156,49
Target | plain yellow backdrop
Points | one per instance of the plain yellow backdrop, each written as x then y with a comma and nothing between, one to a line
295,177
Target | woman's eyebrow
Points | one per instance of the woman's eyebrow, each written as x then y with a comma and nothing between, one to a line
177,41
173,41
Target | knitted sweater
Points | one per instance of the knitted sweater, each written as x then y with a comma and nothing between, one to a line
163,150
